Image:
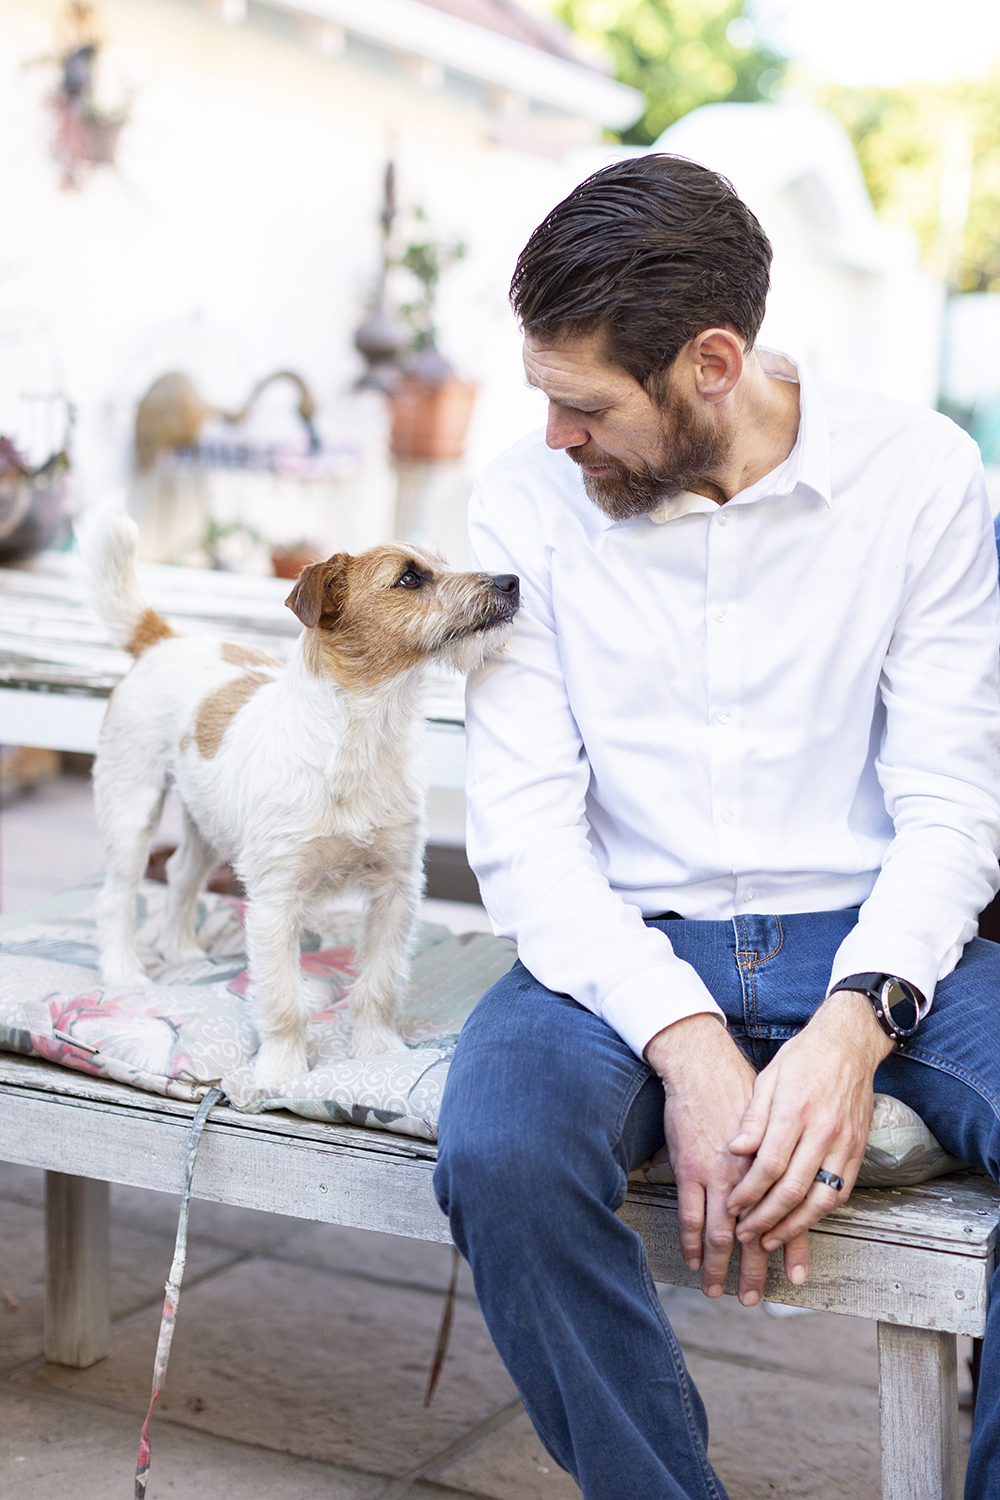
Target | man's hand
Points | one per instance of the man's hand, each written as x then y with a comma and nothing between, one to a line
811,1108
709,1087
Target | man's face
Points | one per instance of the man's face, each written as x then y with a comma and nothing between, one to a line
633,452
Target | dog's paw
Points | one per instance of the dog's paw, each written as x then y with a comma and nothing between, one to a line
371,1039
277,1061
183,953
124,976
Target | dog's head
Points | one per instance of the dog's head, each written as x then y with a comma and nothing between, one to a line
385,611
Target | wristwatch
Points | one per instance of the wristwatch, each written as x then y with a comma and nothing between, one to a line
899,1007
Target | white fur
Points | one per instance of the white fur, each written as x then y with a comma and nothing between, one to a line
312,791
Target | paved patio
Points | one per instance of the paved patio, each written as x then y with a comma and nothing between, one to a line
302,1350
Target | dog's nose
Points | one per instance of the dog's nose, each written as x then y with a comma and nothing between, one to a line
507,583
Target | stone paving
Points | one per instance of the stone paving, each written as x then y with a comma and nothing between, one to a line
302,1350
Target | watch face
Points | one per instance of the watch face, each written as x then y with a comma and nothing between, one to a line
900,1004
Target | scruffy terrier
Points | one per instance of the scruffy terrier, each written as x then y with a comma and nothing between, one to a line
303,776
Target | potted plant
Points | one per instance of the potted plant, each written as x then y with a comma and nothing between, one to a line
431,406
85,134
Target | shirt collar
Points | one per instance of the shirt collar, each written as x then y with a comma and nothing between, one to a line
806,468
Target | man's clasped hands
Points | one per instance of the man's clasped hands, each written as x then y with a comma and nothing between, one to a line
745,1147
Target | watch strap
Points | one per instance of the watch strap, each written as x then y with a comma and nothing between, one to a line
875,986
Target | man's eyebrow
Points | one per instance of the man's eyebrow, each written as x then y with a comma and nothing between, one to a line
597,402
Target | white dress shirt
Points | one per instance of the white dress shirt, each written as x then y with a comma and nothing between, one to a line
789,703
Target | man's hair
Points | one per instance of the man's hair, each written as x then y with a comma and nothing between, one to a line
646,253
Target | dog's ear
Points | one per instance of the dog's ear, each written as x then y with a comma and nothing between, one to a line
320,591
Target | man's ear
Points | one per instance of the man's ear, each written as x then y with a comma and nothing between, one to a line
320,591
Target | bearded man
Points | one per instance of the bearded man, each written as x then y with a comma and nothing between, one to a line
733,791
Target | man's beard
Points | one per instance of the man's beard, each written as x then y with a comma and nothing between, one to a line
691,450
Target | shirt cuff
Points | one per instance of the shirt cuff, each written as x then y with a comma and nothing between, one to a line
870,948
645,1003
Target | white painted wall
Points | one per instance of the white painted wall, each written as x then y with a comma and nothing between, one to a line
238,233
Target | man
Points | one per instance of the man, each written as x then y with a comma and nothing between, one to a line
733,790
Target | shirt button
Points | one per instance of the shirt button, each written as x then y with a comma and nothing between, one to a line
720,615
723,718
749,895
728,816
723,519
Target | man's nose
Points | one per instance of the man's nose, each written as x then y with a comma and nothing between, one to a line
563,428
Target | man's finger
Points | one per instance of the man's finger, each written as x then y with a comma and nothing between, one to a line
691,1217
797,1258
753,1125
774,1154
794,1187
753,1273
817,1203
720,1227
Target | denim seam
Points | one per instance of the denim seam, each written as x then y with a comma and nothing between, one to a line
745,970
683,1381
778,945
931,1060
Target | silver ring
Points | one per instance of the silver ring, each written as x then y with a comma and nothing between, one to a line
829,1179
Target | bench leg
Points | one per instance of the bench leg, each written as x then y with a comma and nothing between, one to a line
918,1402
77,1270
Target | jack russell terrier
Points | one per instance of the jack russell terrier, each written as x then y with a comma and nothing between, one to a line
303,776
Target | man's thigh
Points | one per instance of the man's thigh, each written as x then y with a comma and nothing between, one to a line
535,1075
950,1072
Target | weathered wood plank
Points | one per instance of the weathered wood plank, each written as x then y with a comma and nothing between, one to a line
77,1270
951,1213
45,1078
321,1180
918,1405
901,1283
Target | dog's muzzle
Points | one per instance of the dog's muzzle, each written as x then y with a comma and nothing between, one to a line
508,586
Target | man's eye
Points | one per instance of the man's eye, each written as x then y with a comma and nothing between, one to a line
409,580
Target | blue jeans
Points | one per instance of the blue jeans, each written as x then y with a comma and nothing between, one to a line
546,1111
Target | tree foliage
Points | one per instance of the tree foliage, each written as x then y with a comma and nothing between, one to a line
679,53
931,158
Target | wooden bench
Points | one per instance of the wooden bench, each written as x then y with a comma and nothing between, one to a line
918,1260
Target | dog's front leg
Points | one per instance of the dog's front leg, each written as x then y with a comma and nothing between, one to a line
384,961
280,1013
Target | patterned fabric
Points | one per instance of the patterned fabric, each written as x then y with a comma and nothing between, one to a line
189,1027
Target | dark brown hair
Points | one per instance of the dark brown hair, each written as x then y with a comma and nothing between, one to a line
648,253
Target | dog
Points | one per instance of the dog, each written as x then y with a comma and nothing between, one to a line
304,776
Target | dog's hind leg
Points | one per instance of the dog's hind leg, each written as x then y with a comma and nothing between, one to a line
384,959
128,807
187,870
279,1003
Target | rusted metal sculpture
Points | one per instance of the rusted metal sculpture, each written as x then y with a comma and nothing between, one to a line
172,412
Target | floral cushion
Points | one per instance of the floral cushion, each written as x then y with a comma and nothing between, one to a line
189,1027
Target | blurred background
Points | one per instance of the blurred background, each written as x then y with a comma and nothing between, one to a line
254,253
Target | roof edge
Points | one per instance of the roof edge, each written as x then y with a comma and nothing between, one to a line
409,26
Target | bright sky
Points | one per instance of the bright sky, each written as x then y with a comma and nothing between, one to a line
857,42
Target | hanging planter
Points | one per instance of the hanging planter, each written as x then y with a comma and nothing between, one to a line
85,135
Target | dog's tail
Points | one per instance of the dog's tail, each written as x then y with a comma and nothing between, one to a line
108,541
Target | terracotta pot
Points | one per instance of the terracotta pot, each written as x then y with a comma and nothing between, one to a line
431,421
289,562
99,139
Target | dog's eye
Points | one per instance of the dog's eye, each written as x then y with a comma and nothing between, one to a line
409,580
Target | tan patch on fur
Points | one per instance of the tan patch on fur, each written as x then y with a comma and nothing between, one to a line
216,712
150,629
246,656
